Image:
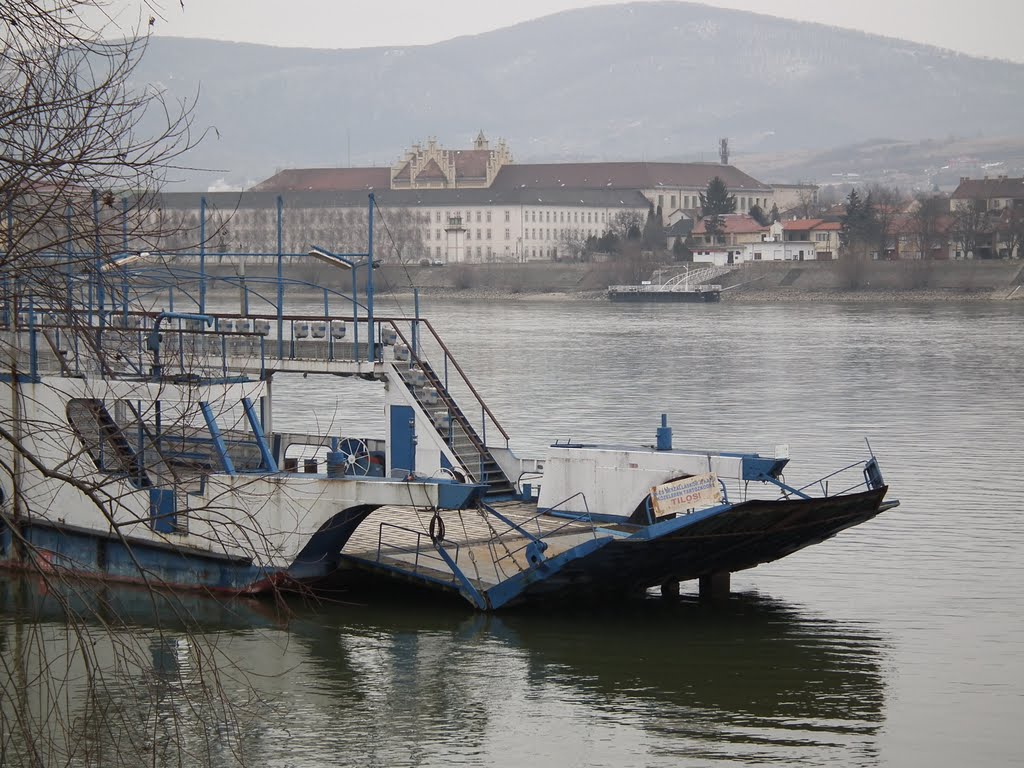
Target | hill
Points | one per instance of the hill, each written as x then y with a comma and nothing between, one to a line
652,80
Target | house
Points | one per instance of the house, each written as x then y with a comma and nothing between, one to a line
823,234
737,229
997,194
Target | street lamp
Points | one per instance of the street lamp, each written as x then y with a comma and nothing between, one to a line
348,261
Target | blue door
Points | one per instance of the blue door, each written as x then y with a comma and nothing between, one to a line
402,442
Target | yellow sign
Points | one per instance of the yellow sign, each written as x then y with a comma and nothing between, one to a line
690,493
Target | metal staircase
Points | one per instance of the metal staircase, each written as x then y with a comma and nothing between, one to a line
458,433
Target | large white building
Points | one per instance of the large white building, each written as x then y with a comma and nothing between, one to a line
472,205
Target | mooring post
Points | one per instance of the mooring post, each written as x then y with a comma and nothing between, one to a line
715,586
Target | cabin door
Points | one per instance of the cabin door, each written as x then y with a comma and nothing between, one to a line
402,440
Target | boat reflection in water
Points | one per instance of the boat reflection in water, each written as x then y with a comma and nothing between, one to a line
414,682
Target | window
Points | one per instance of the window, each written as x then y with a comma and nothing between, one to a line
757,256
479,252
672,203
428,234
488,234
661,201
548,217
508,216
469,234
561,217
508,234
438,234
438,251
438,216
488,215
533,216
478,217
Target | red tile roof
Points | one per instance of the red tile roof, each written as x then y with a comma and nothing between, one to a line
471,163
326,180
800,225
431,172
624,176
734,224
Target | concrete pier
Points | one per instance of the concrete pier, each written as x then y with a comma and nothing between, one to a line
715,586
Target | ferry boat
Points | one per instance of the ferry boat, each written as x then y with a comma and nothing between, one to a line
138,443
690,285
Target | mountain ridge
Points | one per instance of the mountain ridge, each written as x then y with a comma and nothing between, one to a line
659,81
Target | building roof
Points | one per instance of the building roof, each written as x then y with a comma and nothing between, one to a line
624,175
470,163
800,225
986,189
734,224
326,180
431,172
682,228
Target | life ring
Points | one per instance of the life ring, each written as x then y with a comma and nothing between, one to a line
436,529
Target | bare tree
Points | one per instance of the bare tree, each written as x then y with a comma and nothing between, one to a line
80,167
627,224
926,224
572,243
970,227
807,203
885,206
1011,231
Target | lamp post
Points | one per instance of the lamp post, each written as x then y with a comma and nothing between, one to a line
349,261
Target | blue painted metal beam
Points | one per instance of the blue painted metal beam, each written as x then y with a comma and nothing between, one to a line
217,439
257,430
471,592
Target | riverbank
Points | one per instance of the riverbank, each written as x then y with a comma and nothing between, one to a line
775,282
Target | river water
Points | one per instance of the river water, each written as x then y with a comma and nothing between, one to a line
898,642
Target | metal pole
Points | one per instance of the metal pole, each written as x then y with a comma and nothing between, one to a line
70,265
124,245
7,250
355,315
369,288
202,255
100,298
416,323
280,278
124,224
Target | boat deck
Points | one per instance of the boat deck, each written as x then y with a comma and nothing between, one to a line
484,548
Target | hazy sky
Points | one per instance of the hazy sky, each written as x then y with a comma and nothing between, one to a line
981,27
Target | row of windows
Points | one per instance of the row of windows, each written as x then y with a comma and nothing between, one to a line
563,217
532,216
545,233
692,202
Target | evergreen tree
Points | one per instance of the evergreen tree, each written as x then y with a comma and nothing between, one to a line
654,233
757,214
774,214
609,242
716,200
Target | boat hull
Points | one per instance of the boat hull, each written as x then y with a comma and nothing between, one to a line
39,546
666,297
738,538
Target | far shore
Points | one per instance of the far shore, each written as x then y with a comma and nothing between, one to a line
761,283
